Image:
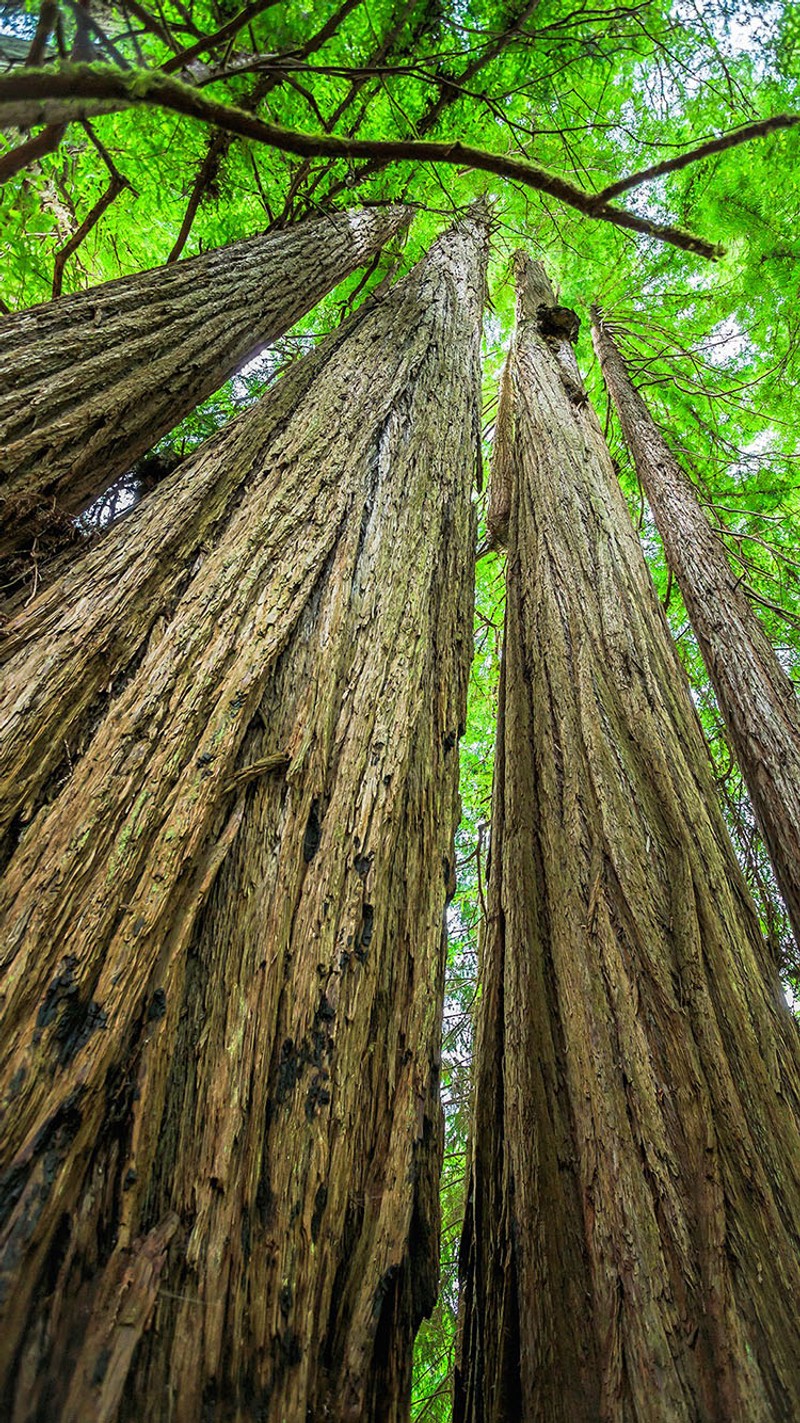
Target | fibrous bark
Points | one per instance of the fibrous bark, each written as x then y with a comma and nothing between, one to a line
88,383
631,1246
757,700
223,938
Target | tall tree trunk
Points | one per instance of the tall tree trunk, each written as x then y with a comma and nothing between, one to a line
88,383
631,1247
756,698
224,941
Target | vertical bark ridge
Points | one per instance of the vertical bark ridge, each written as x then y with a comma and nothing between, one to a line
225,965
646,1168
92,381
756,698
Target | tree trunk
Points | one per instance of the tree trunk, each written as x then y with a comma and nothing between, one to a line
756,698
88,383
631,1246
224,962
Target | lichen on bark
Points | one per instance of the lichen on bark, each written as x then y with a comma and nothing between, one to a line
224,934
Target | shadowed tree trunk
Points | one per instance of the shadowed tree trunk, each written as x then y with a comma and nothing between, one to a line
631,1246
756,698
88,383
224,942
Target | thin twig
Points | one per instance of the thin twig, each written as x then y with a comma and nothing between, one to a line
220,142
91,220
769,605
481,829
218,145
86,26
107,159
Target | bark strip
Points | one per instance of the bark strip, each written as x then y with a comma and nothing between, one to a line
223,939
757,700
90,382
631,1247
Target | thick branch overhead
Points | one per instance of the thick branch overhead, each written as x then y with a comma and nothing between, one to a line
78,91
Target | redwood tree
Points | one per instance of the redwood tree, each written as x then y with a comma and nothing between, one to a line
756,698
631,1248
88,383
223,940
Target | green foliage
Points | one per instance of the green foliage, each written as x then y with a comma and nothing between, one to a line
592,92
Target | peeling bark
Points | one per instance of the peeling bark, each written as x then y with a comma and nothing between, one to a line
631,1248
756,698
224,942
88,383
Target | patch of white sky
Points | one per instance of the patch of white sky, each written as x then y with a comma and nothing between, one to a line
266,365
742,34
14,21
725,344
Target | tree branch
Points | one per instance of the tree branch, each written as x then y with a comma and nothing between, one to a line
217,146
32,149
703,150
152,24
44,25
227,32
115,187
85,27
384,48
78,91
107,159
220,142
450,89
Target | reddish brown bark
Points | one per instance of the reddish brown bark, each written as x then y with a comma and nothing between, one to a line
631,1248
757,700
88,383
223,938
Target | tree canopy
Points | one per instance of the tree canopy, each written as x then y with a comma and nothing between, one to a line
647,150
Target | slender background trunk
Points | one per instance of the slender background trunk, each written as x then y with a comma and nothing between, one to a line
631,1246
224,961
88,383
756,698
